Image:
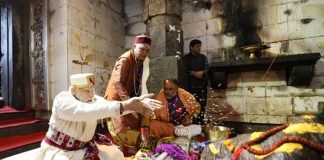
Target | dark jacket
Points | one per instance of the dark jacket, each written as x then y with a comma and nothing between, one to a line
196,62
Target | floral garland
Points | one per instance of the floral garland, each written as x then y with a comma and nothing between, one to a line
285,139
173,150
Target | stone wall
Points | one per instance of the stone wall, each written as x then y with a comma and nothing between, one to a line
134,24
58,69
289,27
86,36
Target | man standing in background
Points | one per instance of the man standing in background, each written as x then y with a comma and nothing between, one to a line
196,70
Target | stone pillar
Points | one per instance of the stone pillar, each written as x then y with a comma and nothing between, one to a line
163,21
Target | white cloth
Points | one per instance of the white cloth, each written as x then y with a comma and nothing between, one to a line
146,74
79,120
194,130
188,131
181,131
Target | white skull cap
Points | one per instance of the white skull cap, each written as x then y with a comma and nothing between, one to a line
82,80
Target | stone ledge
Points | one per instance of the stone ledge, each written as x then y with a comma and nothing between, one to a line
299,68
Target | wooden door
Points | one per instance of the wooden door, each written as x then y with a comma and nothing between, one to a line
7,53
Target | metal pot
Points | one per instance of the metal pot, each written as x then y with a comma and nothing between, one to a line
215,133
254,50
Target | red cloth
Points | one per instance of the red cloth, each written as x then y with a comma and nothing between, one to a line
8,109
143,39
18,122
70,144
8,143
237,153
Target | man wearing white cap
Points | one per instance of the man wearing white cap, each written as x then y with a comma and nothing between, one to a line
128,80
71,134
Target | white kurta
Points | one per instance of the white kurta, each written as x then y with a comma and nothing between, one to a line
79,120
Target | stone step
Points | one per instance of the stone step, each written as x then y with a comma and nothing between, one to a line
5,116
30,153
18,150
13,145
20,131
24,129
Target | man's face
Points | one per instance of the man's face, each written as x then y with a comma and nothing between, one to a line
84,94
196,48
170,90
141,51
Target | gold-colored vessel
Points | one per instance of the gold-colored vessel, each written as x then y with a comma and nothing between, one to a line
254,50
214,133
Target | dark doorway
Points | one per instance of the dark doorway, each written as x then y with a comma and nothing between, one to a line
14,49
6,51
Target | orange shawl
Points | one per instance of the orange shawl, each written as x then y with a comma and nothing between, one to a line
161,126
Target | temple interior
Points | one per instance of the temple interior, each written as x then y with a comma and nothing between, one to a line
265,92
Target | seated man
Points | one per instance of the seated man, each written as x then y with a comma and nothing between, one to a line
175,117
71,134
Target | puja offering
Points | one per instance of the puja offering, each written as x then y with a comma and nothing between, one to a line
214,132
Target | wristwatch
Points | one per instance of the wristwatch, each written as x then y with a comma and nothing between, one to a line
121,108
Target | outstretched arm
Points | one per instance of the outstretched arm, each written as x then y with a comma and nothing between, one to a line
68,108
143,105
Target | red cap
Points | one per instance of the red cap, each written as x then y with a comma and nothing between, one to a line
143,39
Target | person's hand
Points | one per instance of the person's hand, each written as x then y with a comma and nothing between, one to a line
187,120
143,105
145,131
188,131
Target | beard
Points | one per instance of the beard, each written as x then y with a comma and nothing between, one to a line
169,96
139,61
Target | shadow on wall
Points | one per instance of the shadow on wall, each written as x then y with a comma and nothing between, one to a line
241,19
319,70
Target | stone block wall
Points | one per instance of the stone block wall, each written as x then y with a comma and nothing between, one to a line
95,38
289,27
58,69
134,24
86,36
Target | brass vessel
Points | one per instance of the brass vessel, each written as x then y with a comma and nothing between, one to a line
254,50
215,133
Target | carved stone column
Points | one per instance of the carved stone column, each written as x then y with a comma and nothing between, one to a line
38,55
163,20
